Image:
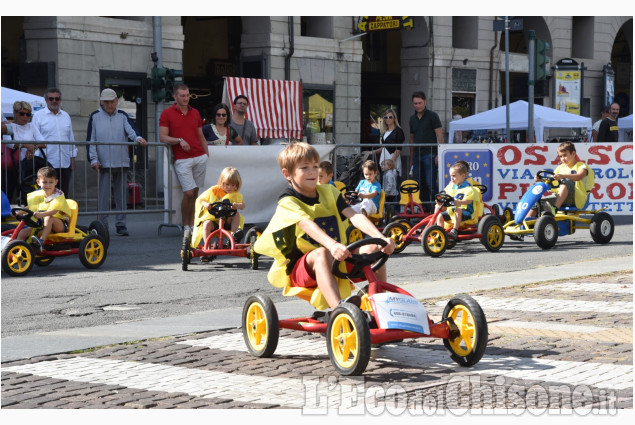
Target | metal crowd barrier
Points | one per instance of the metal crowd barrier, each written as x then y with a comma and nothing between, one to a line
147,192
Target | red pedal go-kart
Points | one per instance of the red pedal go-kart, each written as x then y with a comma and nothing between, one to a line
90,243
220,241
434,238
385,314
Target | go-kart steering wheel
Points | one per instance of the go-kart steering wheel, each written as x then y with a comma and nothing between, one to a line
359,261
482,188
409,188
352,197
546,176
221,209
444,199
26,215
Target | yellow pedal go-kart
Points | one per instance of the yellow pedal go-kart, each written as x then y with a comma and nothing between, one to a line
545,227
90,243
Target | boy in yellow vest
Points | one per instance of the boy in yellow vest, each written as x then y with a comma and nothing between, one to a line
307,232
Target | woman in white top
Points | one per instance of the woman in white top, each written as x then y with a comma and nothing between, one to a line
24,130
391,133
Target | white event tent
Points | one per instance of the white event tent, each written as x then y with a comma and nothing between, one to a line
624,125
544,117
10,96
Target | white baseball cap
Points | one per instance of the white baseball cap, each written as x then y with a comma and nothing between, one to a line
108,94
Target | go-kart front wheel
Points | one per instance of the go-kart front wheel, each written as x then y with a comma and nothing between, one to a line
546,232
434,241
397,232
602,227
492,233
92,251
17,258
43,261
353,234
348,340
252,235
260,326
100,229
468,347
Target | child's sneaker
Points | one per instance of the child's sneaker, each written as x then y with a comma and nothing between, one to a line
238,236
554,210
37,244
454,234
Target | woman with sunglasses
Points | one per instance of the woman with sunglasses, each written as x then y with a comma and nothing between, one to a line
220,132
391,133
24,130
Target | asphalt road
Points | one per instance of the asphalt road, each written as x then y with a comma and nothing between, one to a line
142,277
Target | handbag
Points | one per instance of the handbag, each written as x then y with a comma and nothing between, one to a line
10,158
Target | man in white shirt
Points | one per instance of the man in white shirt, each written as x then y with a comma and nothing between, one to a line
55,125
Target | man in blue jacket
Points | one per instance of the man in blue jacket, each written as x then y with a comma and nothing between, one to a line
111,161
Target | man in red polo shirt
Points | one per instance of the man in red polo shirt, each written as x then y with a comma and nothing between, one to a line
180,127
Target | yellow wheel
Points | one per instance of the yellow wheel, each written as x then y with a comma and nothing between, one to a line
92,251
353,234
397,232
492,233
434,241
467,344
17,258
508,215
252,236
260,326
348,340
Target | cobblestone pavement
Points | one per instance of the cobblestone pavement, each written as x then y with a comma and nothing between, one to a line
566,346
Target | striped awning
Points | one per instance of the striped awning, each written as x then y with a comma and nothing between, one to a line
275,106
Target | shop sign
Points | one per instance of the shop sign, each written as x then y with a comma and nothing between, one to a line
384,23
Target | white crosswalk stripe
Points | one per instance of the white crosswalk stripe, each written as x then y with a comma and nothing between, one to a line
544,305
614,288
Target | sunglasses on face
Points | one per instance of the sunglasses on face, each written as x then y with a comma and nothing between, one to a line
24,114
221,115
54,99
242,103
389,117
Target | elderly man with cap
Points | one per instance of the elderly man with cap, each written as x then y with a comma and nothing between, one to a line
111,161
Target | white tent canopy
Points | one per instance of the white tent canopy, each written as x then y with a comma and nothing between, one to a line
624,125
10,96
544,117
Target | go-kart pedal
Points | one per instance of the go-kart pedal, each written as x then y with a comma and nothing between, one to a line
37,244
238,236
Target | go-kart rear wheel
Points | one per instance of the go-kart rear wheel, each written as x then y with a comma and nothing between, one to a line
496,211
468,347
434,241
92,251
43,261
348,340
260,326
492,233
546,231
100,229
252,236
602,227
508,215
353,234
397,232
186,253
17,258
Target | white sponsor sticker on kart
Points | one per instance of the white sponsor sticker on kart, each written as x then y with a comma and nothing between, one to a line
5,241
399,311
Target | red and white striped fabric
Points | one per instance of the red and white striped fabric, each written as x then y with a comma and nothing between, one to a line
275,106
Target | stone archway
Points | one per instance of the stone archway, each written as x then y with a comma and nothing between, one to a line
622,63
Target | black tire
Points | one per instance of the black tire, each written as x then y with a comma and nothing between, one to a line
43,261
101,230
353,234
508,215
397,232
92,251
546,232
186,253
260,326
602,227
252,236
493,235
468,347
17,258
434,241
348,340
496,211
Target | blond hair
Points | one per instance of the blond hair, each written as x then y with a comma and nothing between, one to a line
21,104
230,175
295,153
389,163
